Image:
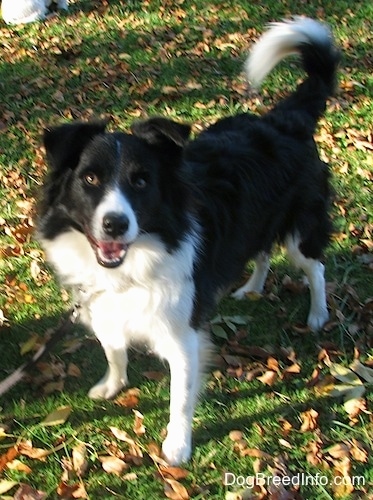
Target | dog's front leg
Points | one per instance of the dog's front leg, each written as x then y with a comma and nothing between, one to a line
185,359
116,375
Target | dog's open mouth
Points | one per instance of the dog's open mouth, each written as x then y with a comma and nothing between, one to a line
109,253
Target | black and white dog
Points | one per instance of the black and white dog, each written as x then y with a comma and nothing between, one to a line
149,228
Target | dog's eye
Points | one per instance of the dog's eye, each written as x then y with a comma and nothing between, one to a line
139,182
91,179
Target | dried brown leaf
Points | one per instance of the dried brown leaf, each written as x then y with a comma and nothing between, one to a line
175,490
342,486
170,472
26,492
129,399
272,364
286,426
235,435
79,459
354,407
67,491
73,370
19,466
309,420
339,450
6,486
285,443
269,377
8,456
292,369
315,377
26,449
130,476
122,435
138,427
314,454
255,453
358,451
154,375
51,387
113,465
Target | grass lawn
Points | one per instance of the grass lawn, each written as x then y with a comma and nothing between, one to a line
280,401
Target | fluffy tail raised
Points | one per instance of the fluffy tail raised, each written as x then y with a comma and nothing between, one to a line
314,43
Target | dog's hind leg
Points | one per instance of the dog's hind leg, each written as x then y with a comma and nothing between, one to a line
257,279
116,375
314,270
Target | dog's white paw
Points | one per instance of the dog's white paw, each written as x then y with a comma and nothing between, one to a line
175,449
251,286
106,389
316,320
239,294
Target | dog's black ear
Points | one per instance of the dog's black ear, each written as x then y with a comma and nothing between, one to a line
64,144
160,131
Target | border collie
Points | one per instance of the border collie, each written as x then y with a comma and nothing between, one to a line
150,228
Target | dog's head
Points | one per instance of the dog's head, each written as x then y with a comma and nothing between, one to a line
111,186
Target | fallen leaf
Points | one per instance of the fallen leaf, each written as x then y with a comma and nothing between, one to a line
130,476
79,459
31,344
269,377
219,332
73,370
26,492
286,426
272,364
285,443
67,491
138,427
314,454
309,420
113,465
122,435
343,374
129,399
358,451
342,486
154,375
291,370
27,449
315,378
8,456
347,391
363,371
235,435
354,407
6,486
175,490
57,417
255,453
339,450
51,387
170,472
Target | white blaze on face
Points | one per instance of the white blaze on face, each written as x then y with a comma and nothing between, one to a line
111,250
114,202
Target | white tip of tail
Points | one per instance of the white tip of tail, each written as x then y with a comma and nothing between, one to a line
282,39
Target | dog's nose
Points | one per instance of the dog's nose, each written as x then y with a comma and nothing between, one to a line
115,224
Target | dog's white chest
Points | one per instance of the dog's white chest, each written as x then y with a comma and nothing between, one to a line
150,292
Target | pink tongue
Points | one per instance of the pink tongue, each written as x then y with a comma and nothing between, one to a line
111,249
